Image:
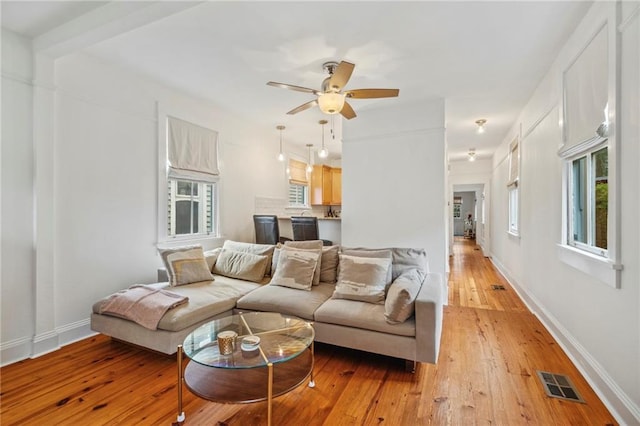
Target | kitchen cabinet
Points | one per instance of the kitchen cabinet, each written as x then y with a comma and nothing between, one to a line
326,185
336,186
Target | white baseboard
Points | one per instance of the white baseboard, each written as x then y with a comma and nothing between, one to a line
15,350
623,408
44,343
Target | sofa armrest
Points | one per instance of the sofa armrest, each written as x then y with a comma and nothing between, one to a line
429,312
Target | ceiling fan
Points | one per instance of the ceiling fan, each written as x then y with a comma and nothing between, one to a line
331,99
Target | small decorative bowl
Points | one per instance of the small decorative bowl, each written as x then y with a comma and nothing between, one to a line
250,343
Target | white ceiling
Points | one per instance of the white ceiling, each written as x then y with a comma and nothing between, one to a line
484,58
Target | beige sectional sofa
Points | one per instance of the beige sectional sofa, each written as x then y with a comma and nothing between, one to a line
339,321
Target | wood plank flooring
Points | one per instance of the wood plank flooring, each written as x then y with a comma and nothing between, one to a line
491,347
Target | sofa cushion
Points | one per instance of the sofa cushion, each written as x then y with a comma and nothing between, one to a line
272,298
400,301
403,259
241,265
362,278
262,249
367,316
314,245
206,299
377,254
211,256
296,269
329,264
185,265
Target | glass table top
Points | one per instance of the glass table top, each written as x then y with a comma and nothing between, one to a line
282,338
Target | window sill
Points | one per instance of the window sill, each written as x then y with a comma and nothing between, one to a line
513,234
204,240
306,208
604,269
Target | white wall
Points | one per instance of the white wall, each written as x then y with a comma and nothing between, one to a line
16,215
105,191
598,326
393,180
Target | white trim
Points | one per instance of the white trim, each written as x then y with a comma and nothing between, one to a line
45,343
75,331
591,264
15,350
621,406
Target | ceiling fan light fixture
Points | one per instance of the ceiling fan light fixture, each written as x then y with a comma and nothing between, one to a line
331,102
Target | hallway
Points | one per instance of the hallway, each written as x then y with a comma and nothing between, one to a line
492,346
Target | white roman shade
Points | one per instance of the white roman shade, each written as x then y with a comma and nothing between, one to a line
192,151
586,93
514,163
298,172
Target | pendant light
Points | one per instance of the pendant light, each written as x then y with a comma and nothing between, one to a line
281,154
324,152
309,166
480,124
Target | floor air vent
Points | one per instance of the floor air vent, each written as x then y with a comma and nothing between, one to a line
498,287
559,386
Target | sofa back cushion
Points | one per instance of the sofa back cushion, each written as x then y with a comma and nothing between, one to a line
241,265
296,268
403,259
185,265
313,245
400,302
261,249
373,253
362,278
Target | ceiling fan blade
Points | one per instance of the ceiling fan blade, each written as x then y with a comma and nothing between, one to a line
347,112
303,107
372,93
341,75
292,87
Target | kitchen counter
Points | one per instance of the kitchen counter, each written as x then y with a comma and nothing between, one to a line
329,228
319,218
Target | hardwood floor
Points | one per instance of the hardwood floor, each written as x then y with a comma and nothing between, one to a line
486,374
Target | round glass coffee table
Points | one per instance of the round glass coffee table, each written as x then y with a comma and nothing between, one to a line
281,362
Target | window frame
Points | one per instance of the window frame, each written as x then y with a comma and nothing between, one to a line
513,188
590,245
201,198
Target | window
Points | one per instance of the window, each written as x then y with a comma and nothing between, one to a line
191,180
298,184
589,200
590,156
513,187
298,195
190,207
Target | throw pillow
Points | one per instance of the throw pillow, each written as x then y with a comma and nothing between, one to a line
262,249
378,254
185,265
400,302
241,265
329,264
313,245
362,278
211,256
296,269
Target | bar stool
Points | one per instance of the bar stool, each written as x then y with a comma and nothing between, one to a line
267,229
306,228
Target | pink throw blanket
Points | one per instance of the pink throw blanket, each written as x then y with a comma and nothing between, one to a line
142,304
